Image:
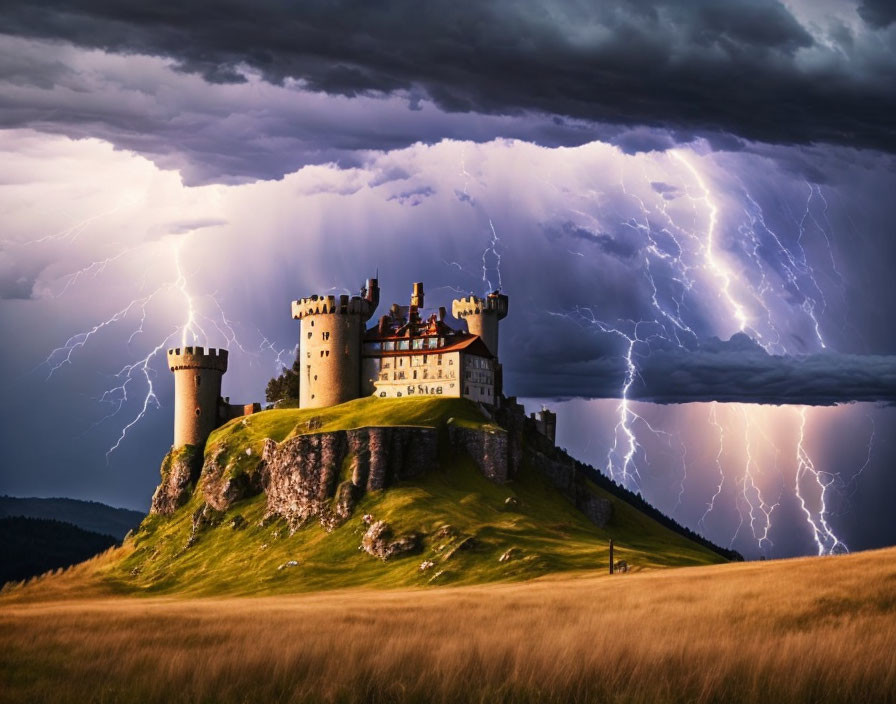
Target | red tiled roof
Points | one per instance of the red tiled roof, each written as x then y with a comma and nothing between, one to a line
472,344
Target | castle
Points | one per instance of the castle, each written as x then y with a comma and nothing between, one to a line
405,354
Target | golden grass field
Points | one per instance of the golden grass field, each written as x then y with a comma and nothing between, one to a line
805,630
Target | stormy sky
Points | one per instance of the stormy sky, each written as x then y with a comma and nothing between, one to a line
687,203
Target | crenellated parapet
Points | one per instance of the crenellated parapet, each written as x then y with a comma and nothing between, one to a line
333,305
494,304
482,316
197,358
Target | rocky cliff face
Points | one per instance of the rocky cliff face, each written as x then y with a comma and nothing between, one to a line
180,471
221,487
322,475
494,451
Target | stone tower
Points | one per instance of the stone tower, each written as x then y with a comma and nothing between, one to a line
482,316
330,335
197,390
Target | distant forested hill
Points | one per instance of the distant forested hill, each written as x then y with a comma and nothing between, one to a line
87,515
32,546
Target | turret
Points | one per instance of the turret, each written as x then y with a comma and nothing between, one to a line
197,389
482,316
330,335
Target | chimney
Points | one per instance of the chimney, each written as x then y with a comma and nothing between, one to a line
372,291
417,296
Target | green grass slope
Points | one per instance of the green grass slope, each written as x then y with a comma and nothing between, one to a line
466,522
464,518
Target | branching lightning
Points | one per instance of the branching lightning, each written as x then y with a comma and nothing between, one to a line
140,373
714,421
825,539
691,256
492,248
749,280
759,510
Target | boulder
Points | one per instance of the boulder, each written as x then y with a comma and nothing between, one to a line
378,541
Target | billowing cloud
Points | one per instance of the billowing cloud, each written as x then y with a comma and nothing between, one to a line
232,132
288,84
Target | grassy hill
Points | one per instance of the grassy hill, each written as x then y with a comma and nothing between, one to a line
467,523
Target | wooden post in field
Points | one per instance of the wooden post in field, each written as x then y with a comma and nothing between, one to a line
611,556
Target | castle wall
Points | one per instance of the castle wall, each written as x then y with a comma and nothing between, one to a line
197,388
478,378
228,411
416,374
453,374
330,351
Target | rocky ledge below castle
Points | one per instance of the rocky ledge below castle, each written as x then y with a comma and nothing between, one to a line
321,476
180,472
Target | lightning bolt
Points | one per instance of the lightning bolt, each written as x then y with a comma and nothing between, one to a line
493,249
713,419
826,541
752,495
687,256
139,374
713,262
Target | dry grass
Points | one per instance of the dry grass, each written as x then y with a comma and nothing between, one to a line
811,630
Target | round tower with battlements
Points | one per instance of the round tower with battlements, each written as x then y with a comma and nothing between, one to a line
482,316
330,335
197,389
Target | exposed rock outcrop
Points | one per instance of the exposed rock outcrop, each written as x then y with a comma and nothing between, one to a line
490,449
180,471
203,518
378,541
221,488
302,475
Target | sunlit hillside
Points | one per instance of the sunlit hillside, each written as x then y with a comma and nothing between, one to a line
473,530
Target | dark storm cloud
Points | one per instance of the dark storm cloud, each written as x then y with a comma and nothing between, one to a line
743,67
878,13
232,133
737,370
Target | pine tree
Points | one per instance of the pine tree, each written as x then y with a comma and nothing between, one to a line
286,386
